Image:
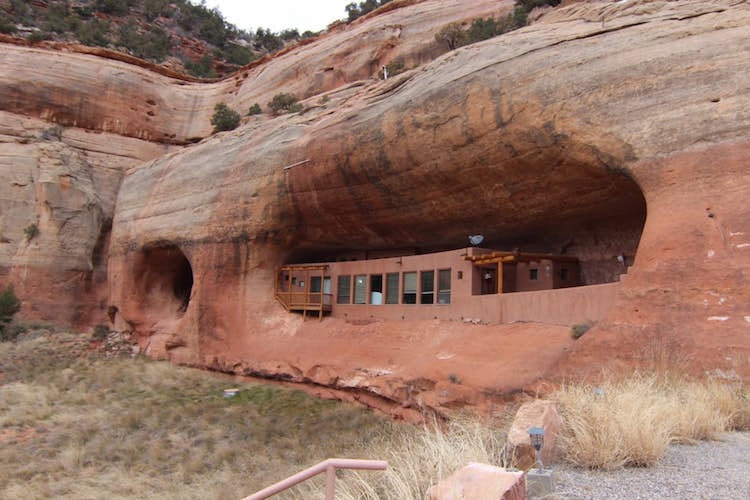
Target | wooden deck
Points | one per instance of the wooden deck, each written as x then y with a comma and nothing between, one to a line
302,300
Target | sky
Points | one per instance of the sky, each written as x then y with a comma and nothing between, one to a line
278,15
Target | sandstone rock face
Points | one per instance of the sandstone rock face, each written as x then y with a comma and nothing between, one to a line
64,181
537,413
605,129
480,481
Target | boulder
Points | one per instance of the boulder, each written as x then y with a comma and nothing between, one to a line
537,413
477,481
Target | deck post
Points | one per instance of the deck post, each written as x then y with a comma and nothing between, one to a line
500,277
330,482
276,282
322,291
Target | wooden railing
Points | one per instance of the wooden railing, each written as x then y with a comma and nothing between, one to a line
329,467
312,300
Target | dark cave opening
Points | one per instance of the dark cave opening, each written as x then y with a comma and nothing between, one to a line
164,280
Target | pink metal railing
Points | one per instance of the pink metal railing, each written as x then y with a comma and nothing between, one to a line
329,467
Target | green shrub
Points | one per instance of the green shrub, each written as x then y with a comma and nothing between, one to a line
39,36
115,7
254,110
156,8
394,68
203,68
57,19
95,32
482,29
289,34
224,118
149,45
529,5
268,40
31,231
100,332
577,330
284,102
355,11
9,306
7,27
453,35
237,54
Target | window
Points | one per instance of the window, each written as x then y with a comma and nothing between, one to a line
564,273
444,286
344,291
376,289
391,288
533,274
315,283
360,289
428,287
410,288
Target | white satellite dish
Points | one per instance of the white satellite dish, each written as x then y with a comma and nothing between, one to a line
476,239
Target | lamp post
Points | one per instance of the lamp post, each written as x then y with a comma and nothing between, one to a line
536,437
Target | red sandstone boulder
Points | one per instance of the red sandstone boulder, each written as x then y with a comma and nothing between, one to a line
480,481
537,413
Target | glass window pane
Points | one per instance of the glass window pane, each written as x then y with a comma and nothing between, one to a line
376,289
344,290
315,284
360,289
391,288
444,286
427,279
410,288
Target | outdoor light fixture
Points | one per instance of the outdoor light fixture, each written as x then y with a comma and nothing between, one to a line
536,436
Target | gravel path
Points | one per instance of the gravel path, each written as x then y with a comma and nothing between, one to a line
710,469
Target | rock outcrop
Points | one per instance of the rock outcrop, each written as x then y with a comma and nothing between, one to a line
607,129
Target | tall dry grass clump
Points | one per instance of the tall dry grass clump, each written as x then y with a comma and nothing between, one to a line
632,421
418,457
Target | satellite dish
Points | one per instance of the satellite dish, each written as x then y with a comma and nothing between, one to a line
476,239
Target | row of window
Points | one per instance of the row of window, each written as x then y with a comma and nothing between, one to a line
395,286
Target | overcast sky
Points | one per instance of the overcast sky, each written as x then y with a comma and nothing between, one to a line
313,15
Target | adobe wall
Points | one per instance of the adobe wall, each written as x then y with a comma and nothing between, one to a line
562,306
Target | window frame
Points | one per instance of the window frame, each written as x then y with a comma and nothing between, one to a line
423,292
348,288
443,292
409,292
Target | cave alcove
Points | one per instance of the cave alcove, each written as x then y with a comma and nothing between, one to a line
163,281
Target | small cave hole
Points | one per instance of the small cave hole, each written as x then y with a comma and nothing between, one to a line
164,280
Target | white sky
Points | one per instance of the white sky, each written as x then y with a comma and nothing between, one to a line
313,15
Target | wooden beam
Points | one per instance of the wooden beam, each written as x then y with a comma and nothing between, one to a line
322,291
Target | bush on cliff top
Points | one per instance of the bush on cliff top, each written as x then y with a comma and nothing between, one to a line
224,118
285,102
454,35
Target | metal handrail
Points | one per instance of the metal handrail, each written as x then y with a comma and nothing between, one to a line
329,467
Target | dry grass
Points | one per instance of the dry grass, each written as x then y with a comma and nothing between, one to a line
417,458
632,421
73,425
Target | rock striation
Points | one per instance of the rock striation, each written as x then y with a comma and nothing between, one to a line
608,129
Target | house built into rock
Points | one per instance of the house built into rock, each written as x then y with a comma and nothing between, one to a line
470,284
